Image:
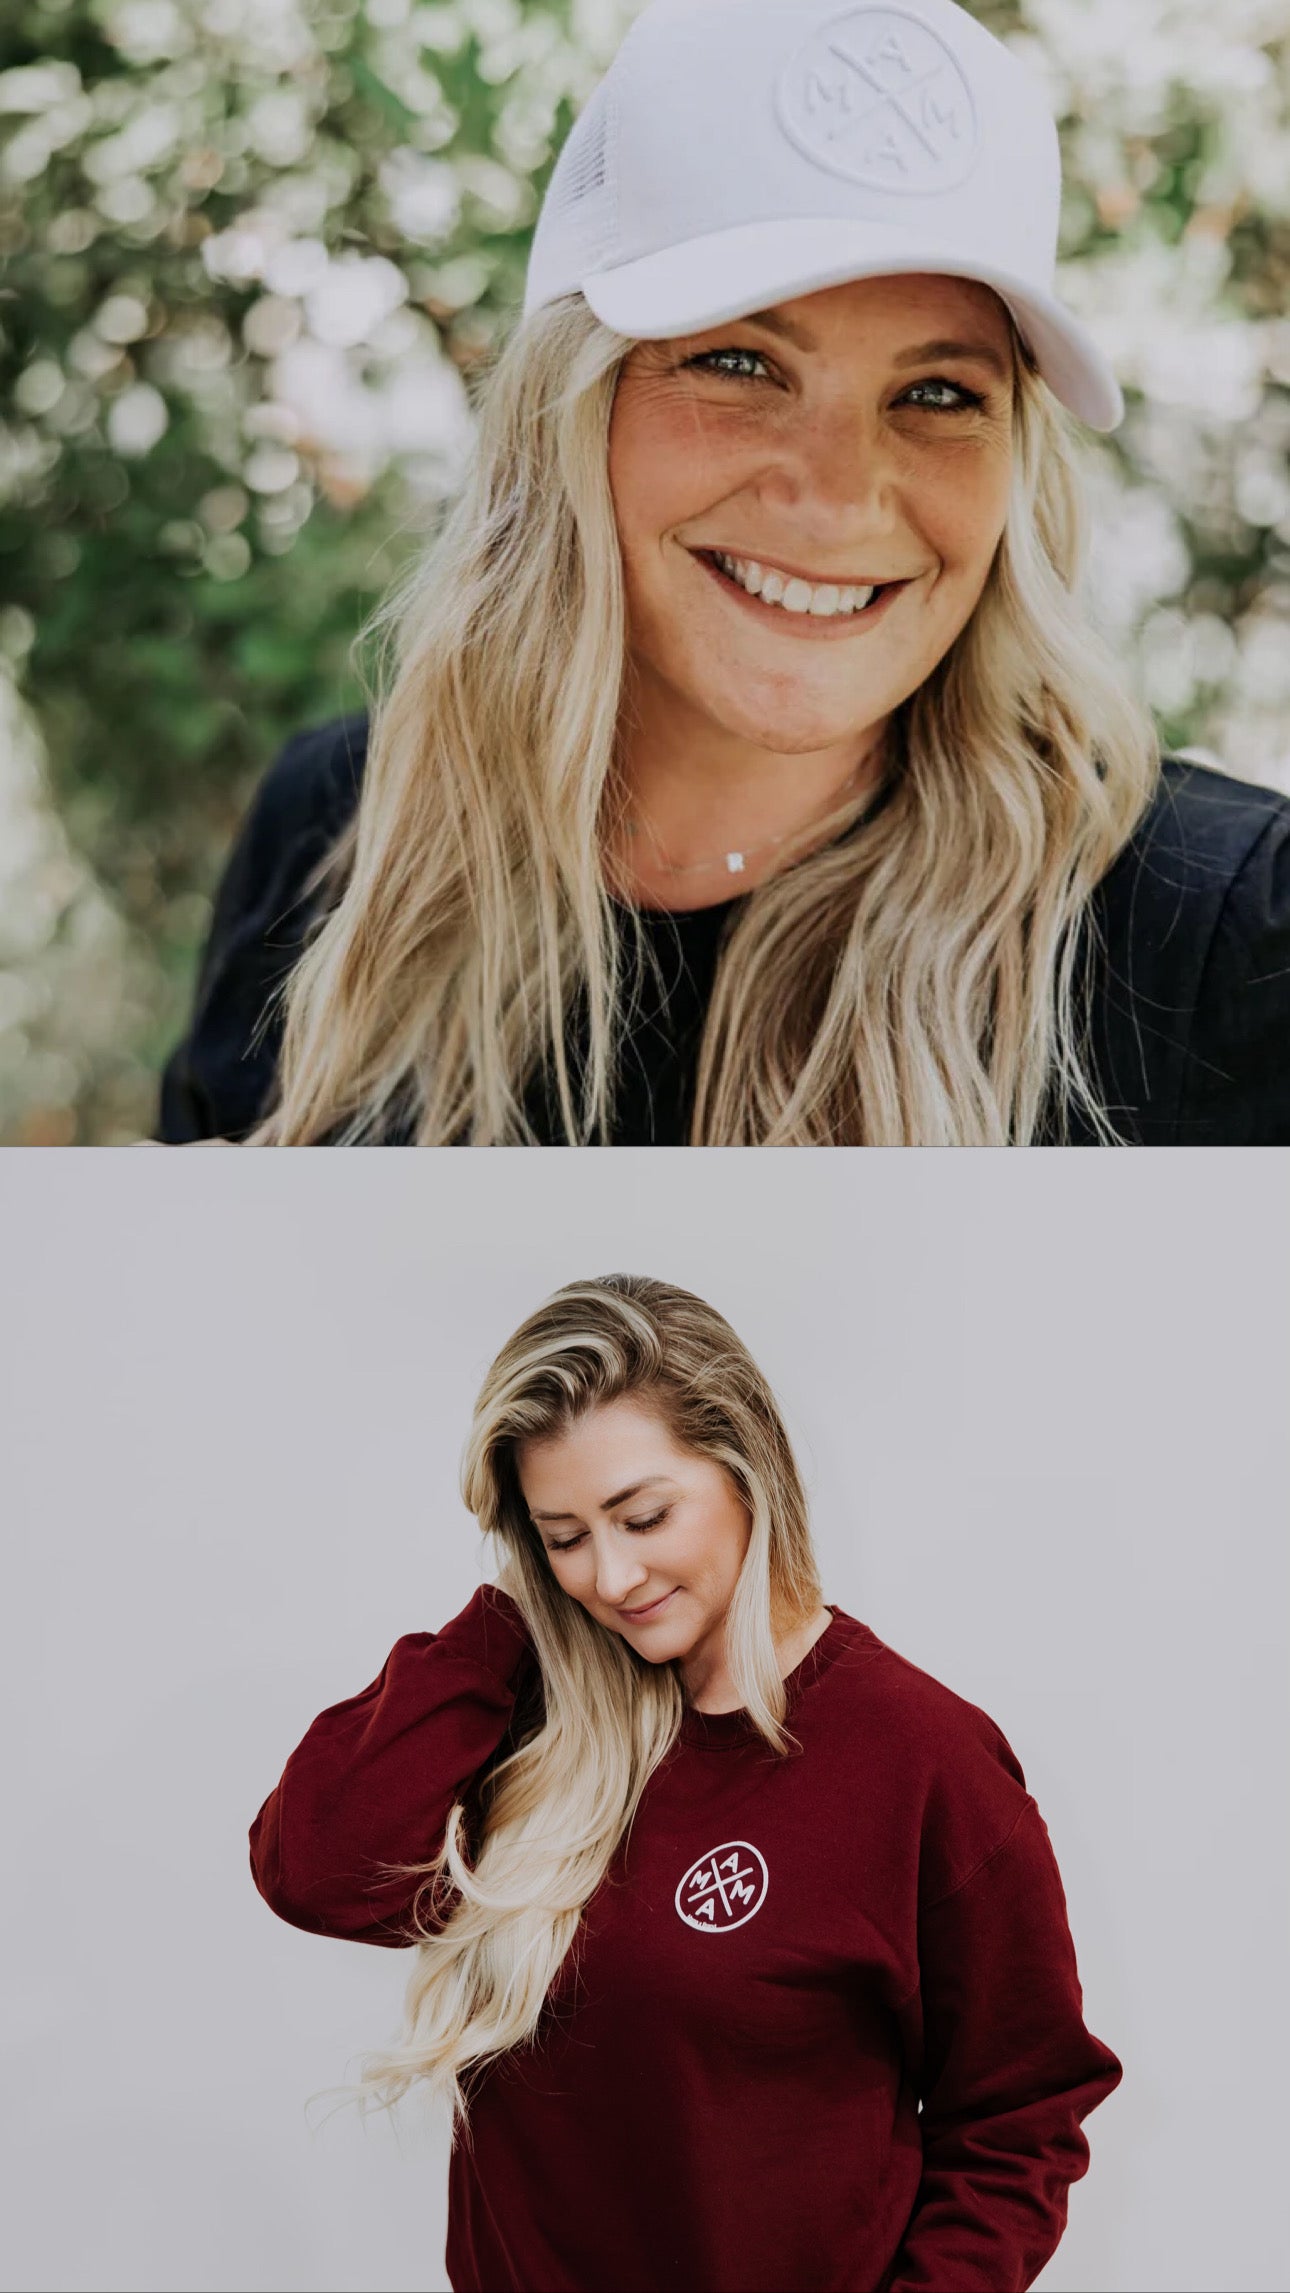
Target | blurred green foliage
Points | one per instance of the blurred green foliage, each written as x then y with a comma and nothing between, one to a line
252,250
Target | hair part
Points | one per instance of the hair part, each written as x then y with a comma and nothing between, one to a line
915,983
497,1914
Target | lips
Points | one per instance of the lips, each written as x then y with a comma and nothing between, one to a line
818,629
653,1606
795,573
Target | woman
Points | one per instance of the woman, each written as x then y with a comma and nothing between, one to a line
742,1955
673,828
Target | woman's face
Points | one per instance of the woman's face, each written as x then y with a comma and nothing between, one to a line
827,440
626,1516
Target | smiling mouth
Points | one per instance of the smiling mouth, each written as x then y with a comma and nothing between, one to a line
632,1614
820,606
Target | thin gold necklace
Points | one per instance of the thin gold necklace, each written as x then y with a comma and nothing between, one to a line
735,863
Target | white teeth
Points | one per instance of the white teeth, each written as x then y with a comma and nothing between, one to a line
825,599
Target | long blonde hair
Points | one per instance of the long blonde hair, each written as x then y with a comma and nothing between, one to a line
916,983
497,1929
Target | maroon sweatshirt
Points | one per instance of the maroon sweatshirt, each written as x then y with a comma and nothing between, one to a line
820,2030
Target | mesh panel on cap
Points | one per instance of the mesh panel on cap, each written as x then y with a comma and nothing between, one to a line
583,193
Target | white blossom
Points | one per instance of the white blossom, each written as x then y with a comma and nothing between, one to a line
137,419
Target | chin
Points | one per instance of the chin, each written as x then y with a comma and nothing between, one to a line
800,724
660,1656
663,1644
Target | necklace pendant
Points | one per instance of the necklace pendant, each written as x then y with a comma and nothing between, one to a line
735,863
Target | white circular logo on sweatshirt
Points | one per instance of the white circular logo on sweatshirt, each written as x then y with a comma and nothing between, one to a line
724,1888
876,96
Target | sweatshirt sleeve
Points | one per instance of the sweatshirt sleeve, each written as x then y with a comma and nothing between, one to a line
1009,2070
374,1778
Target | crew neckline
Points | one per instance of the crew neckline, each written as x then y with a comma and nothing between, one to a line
712,1731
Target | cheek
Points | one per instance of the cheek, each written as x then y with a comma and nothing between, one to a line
966,517
663,471
727,1530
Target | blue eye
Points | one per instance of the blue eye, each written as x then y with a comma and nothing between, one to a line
703,357
967,398
706,360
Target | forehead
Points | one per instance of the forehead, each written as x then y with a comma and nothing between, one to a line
886,315
617,1434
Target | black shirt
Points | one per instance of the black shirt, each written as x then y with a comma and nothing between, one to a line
1190,1007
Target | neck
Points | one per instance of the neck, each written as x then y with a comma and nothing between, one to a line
707,1682
696,790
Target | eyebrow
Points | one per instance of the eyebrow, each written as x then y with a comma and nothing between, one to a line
609,1503
944,347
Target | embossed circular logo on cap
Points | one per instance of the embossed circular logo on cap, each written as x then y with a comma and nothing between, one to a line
724,1888
874,95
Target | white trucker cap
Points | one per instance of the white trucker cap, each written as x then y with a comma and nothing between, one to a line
738,152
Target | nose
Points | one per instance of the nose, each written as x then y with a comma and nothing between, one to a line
840,468
620,1579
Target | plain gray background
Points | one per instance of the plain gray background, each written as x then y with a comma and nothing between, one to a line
1040,1400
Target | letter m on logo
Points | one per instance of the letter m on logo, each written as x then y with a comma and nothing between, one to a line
834,98
940,116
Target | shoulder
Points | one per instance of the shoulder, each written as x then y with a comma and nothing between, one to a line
937,1727
938,1748
1196,836
298,809
946,1762
1191,1027
315,779
217,1081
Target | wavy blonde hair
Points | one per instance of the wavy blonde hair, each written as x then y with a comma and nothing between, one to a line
913,984
496,1929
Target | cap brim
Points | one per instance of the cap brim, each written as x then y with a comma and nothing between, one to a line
727,274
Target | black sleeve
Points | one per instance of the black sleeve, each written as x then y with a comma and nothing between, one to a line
218,1081
1236,1088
